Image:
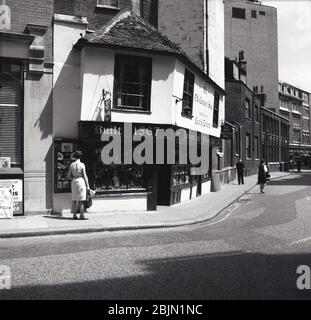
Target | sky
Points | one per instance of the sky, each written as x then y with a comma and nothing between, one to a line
294,37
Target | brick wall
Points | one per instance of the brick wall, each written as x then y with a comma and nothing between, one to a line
35,12
97,17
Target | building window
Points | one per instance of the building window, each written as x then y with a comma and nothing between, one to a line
256,113
306,124
254,14
306,138
187,99
216,110
262,13
108,3
237,143
306,112
296,136
296,107
132,85
248,145
238,13
11,115
256,148
247,109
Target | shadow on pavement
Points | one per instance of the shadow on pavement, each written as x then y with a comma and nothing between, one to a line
231,275
297,179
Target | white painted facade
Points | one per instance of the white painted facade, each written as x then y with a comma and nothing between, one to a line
80,76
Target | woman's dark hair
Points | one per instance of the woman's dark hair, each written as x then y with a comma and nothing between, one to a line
78,154
262,161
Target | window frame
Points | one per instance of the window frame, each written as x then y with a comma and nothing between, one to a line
121,59
249,112
108,5
248,152
216,110
237,13
188,95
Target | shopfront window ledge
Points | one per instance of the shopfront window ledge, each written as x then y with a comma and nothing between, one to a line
11,171
123,110
106,7
120,194
181,186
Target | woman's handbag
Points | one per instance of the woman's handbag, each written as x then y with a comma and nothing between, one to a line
88,201
268,175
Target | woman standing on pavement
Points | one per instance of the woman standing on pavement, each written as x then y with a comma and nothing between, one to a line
79,185
262,175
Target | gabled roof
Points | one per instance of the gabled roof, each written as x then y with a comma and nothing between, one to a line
129,31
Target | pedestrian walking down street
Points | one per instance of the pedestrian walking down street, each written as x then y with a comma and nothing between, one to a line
262,175
298,165
79,185
240,171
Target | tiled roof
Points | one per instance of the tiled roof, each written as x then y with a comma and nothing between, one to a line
129,30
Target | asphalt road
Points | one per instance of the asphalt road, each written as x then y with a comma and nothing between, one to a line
251,251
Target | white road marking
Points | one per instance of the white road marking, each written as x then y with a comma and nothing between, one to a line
301,240
225,217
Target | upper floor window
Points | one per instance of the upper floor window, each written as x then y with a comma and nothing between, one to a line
262,13
254,14
238,13
256,113
296,107
132,84
296,121
247,109
216,110
108,3
248,145
187,100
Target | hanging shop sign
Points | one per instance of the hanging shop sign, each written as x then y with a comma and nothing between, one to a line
226,131
11,197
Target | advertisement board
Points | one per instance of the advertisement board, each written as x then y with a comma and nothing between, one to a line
11,190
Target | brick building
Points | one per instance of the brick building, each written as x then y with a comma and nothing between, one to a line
252,28
26,134
295,106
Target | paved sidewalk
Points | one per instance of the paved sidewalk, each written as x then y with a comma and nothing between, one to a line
193,211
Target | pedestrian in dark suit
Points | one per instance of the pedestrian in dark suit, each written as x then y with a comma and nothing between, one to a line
240,171
262,175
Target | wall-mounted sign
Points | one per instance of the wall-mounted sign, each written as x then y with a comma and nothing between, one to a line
5,162
226,131
5,17
11,191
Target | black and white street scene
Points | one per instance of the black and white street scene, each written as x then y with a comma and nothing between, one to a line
155,150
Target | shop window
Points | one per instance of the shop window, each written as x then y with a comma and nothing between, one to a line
238,13
248,145
216,110
132,85
108,3
11,115
247,109
254,14
296,136
187,100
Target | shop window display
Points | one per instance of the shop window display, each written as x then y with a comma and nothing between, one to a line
115,177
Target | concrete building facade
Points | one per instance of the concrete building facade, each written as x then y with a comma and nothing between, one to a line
26,103
252,28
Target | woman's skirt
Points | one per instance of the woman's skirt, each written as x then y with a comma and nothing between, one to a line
78,189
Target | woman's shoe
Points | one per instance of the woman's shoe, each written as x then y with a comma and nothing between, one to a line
82,218
75,218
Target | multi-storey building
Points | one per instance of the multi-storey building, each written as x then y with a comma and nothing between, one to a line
252,28
26,133
295,106
111,68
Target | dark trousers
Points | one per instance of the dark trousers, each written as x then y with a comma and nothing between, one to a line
240,177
